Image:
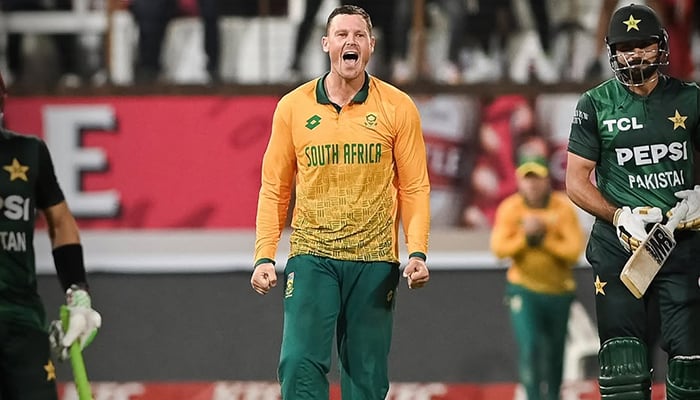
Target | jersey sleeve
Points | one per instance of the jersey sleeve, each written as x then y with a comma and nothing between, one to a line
48,190
412,175
278,172
507,235
564,238
584,139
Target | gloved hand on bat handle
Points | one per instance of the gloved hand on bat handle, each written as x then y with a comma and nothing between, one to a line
82,326
692,217
631,224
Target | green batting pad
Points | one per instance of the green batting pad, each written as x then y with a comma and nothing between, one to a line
624,370
683,380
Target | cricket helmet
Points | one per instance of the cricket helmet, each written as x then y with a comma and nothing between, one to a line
639,26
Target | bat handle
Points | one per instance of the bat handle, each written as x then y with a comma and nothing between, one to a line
82,384
679,213
79,374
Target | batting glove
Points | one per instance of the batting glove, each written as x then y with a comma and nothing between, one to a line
83,321
692,217
631,224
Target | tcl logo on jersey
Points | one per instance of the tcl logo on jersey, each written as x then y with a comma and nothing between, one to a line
622,124
652,154
15,207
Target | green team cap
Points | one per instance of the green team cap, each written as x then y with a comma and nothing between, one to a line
535,165
634,22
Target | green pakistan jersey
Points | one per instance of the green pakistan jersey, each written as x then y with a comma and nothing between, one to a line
642,146
27,183
354,171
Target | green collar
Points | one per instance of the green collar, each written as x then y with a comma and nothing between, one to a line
322,97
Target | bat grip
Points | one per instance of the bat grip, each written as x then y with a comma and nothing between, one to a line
679,213
79,373
82,384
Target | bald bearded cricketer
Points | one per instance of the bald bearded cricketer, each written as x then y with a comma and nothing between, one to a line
639,132
352,148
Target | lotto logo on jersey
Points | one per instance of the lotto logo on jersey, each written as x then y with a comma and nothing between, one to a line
652,153
15,207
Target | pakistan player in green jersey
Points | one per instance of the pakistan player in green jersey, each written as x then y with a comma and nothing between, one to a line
640,133
28,183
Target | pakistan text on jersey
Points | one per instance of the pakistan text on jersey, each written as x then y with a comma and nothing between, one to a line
13,241
657,180
352,153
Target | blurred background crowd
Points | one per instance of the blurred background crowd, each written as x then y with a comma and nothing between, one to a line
71,43
492,79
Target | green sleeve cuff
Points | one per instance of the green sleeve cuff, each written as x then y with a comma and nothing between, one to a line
418,254
263,261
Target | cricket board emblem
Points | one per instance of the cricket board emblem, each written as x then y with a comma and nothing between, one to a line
289,288
371,120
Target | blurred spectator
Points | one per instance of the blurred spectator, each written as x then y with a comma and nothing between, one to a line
529,47
572,25
677,16
256,8
488,25
66,45
152,18
507,124
209,12
456,12
595,68
382,13
474,26
402,70
302,37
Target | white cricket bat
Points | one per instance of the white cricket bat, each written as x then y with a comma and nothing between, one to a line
650,256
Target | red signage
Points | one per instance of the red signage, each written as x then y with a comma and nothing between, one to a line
153,162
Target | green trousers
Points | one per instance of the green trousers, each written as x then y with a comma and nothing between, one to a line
26,370
354,300
675,291
539,324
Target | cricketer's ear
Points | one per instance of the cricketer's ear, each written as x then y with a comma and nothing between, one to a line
324,44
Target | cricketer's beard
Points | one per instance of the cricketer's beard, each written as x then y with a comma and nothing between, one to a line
639,72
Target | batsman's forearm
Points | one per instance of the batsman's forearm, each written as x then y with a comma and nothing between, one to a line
587,196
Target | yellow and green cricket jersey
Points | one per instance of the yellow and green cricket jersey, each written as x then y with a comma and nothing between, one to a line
354,171
546,268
